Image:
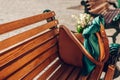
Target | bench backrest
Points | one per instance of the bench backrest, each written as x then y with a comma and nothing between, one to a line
97,6
26,54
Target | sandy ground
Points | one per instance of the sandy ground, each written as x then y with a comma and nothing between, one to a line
11,10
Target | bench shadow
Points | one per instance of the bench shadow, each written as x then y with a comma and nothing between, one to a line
77,7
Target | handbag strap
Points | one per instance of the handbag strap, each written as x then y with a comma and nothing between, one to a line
103,43
101,46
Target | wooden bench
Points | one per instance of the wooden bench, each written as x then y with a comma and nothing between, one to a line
33,54
102,7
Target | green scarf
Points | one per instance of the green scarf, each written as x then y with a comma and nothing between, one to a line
91,43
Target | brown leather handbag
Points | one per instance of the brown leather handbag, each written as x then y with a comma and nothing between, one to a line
71,49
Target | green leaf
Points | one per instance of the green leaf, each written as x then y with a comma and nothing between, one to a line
79,29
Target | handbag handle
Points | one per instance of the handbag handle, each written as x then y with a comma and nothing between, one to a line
80,45
103,44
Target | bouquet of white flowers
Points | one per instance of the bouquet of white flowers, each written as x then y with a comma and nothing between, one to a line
83,20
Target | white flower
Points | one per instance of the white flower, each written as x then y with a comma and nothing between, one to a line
83,19
76,17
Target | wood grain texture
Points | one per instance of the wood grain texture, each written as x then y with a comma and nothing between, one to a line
48,72
59,72
22,49
20,37
74,75
66,73
41,67
26,59
37,55
24,22
33,65
102,7
34,49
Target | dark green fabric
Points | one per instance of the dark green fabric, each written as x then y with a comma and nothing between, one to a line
114,47
118,1
117,17
91,43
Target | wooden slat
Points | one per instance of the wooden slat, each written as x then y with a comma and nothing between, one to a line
110,72
106,15
109,16
20,50
66,73
98,8
49,71
40,68
20,37
115,12
92,4
74,75
96,73
25,59
96,0
31,66
103,9
59,72
24,22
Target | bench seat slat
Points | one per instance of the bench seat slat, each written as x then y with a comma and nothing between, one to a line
110,16
66,73
41,67
59,72
34,64
74,75
20,37
24,22
102,7
113,15
50,70
104,14
27,58
22,49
